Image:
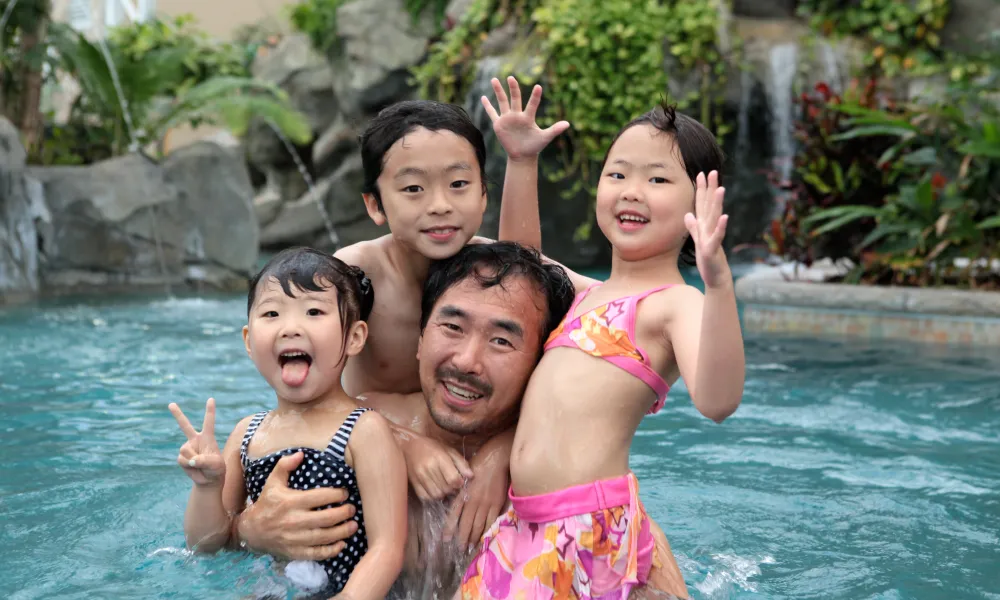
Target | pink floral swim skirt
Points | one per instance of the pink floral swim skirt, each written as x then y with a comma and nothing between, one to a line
585,542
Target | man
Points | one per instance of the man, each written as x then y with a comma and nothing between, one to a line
485,314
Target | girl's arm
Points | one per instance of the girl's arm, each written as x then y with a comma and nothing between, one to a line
705,331
211,507
381,473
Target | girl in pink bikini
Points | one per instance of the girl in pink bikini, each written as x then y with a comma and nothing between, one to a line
576,528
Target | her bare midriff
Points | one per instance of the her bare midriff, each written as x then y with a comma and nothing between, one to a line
578,417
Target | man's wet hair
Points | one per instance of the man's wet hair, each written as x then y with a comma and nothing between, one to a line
306,269
698,148
494,264
397,120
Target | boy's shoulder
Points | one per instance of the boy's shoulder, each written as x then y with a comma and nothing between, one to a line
368,255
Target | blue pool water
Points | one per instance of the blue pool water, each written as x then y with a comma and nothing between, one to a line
851,470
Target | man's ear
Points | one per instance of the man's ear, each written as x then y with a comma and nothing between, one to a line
374,212
246,339
420,342
356,338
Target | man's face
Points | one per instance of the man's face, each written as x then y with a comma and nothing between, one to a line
477,351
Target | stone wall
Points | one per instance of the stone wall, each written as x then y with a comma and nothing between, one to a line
369,71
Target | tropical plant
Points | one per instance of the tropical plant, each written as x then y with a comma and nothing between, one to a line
138,97
942,225
835,165
22,60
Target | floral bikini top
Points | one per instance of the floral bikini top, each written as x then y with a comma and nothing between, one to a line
608,332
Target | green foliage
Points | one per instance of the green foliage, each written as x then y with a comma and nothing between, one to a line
942,164
159,92
904,35
602,62
200,57
318,18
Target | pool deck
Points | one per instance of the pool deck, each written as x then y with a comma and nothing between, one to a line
776,300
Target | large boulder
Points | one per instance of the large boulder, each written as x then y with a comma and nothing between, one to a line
378,43
129,223
334,202
214,187
21,207
304,74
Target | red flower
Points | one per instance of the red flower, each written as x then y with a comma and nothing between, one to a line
938,181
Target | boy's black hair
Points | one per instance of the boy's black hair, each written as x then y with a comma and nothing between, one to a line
494,264
397,120
310,270
700,153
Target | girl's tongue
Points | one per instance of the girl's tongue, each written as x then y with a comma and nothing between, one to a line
295,370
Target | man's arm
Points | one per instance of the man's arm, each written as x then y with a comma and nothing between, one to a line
286,523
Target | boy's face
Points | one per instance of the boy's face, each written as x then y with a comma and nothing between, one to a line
298,344
432,192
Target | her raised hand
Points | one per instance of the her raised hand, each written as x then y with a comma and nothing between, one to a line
200,456
516,129
707,227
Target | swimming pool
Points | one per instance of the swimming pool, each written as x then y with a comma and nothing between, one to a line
850,471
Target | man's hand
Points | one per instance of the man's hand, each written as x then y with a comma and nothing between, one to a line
435,470
283,522
476,507
516,129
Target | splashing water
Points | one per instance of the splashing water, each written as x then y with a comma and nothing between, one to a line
304,172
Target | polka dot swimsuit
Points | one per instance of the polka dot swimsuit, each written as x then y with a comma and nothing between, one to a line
319,469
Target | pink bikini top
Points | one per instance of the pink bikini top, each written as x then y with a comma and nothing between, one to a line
608,332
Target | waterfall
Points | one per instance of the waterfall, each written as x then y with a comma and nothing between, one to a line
783,61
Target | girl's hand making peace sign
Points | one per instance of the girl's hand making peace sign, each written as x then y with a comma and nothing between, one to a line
200,456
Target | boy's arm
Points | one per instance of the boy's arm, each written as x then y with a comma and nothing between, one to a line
211,508
381,474
523,141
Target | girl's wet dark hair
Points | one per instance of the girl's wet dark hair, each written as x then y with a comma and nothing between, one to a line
310,270
397,120
700,153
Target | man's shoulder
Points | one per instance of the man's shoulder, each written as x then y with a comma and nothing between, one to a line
401,409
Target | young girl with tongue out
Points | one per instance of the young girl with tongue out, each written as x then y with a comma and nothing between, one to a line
306,316
576,527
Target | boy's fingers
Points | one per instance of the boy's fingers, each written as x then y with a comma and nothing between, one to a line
533,101
515,94
492,112
501,96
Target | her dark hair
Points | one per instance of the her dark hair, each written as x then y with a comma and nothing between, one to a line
313,271
494,264
700,153
397,120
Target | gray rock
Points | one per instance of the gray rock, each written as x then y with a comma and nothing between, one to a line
302,222
294,66
214,187
379,42
20,207
339,140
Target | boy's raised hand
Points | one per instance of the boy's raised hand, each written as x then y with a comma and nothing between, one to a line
516,129
200,456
